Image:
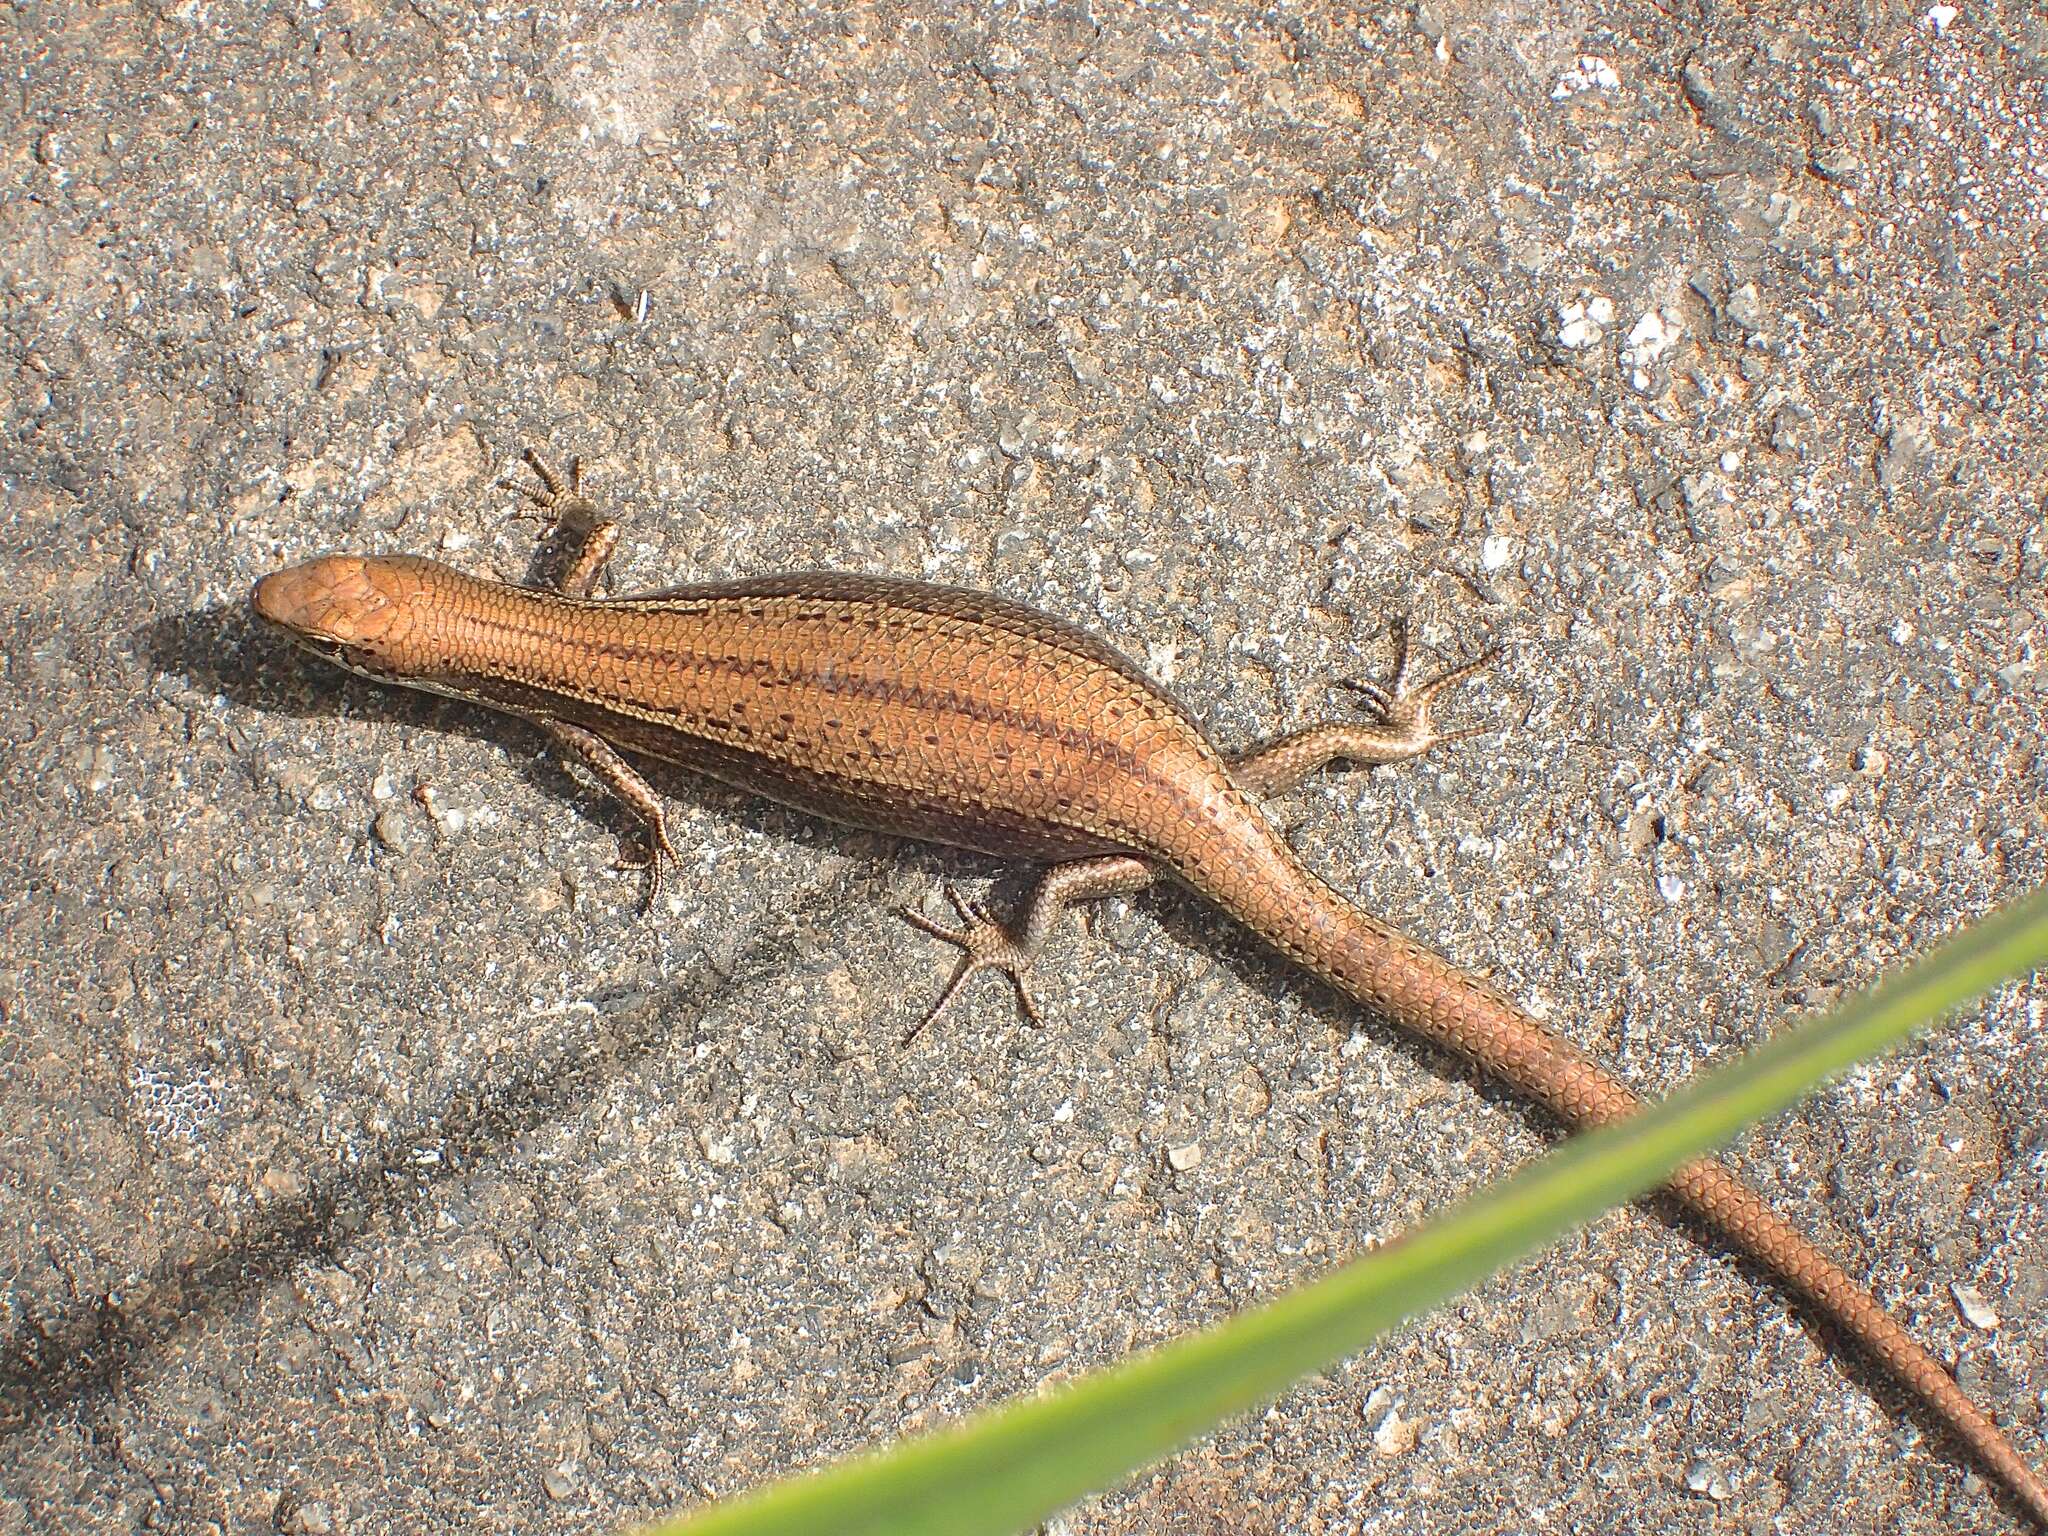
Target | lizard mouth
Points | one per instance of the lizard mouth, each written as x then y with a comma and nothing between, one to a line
348,658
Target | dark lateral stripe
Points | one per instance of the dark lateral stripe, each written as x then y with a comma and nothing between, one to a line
833,595
913,696
694,736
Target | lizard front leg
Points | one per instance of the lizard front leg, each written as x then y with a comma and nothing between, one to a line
593,537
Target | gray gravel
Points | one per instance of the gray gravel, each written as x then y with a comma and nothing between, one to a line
367,1165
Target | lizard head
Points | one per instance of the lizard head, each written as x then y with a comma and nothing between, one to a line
368,613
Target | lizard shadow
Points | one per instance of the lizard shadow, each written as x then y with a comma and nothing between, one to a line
78,1352
84,1351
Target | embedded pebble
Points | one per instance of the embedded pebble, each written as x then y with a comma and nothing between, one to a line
1976,1311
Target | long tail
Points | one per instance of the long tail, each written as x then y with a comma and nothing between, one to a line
1418,990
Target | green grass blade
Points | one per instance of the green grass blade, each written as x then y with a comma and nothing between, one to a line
1009,1467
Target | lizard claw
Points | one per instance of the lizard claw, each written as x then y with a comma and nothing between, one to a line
986,945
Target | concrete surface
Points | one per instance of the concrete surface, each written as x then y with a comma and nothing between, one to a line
368,1167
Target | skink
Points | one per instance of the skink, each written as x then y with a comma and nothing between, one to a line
960,717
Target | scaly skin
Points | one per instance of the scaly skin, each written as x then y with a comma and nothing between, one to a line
962,718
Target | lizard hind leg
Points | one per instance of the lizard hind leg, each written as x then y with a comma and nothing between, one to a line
1399,724
985,945
988,944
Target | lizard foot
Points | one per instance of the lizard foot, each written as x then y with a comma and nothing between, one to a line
986,945
654,857
554,499
1403,709
587,535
